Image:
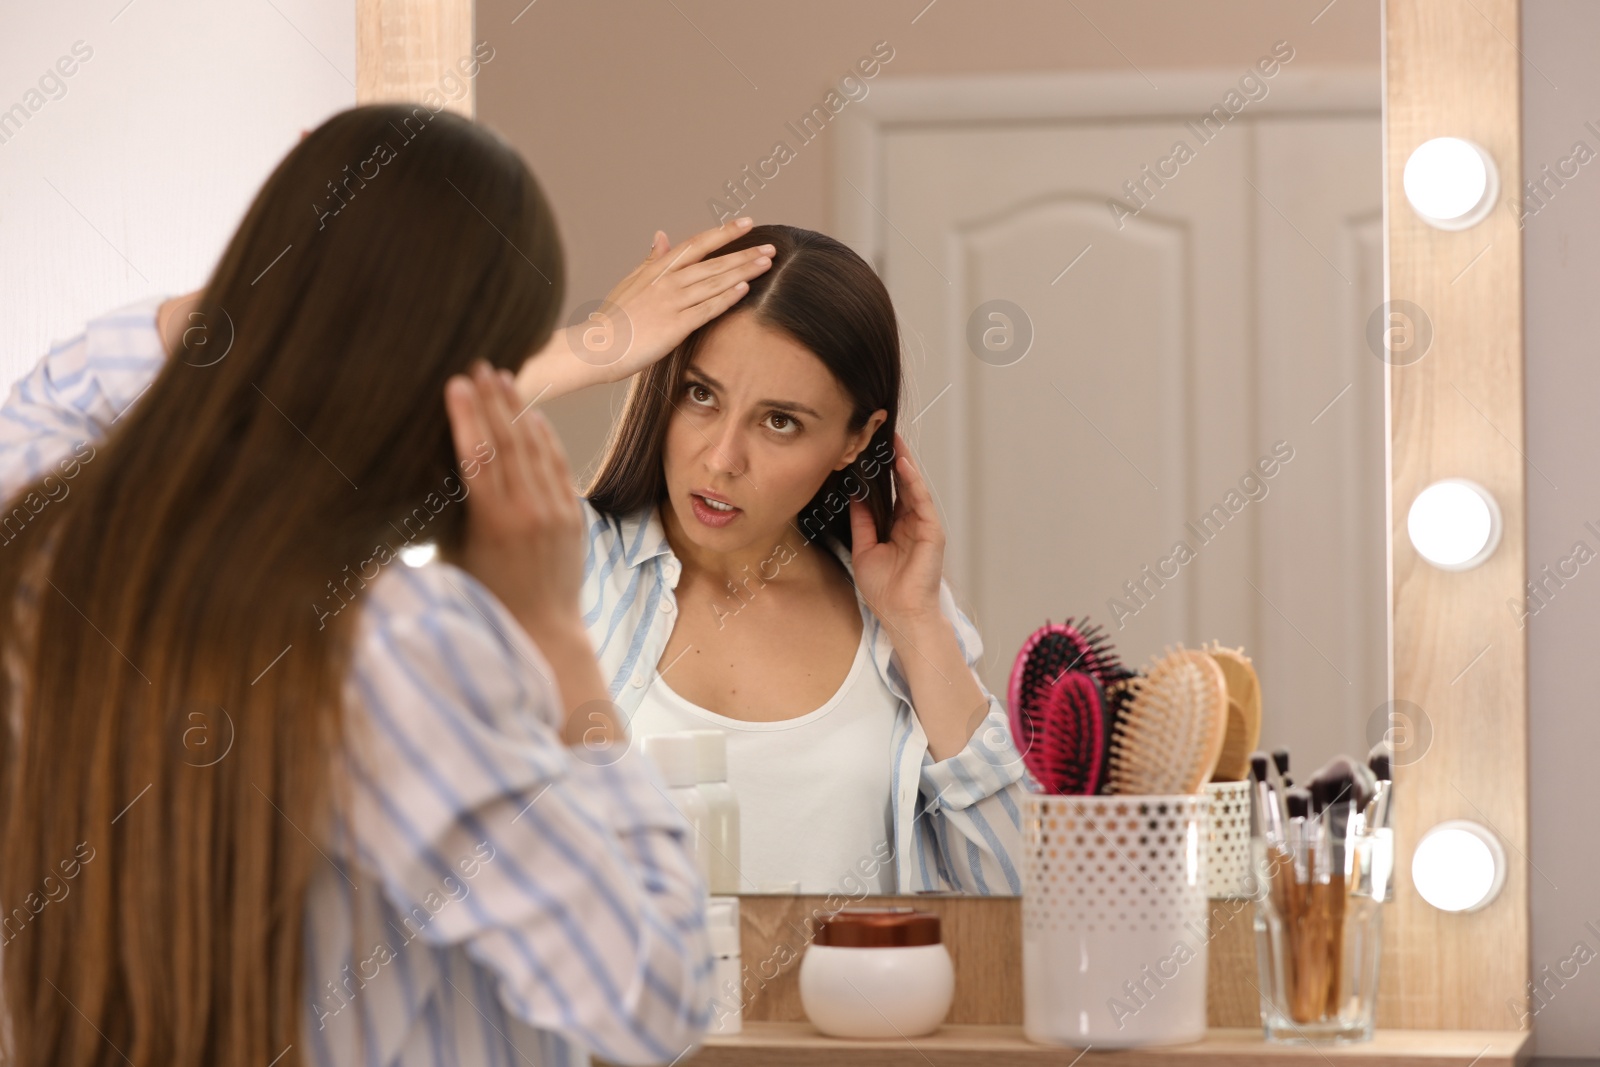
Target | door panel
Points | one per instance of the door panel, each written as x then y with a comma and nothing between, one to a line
1170,349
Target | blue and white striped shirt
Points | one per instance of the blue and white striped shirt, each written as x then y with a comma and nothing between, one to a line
495,900
956,821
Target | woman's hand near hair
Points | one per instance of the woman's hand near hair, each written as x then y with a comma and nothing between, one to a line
166,324
900,580
674,292
900,577
524,533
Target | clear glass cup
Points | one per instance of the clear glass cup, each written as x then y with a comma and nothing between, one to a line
1318,942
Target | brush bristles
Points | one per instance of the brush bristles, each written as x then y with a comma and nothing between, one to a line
1169,740
1067,762
1052,654
1299,803
1381,761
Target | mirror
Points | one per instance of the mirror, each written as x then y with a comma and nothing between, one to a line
1135,251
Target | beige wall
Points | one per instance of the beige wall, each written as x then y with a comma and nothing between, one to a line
1561,245
634,114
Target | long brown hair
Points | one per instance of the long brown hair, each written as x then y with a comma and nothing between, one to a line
828,299
182,585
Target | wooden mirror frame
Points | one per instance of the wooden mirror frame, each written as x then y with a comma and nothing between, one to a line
1456,652
404,48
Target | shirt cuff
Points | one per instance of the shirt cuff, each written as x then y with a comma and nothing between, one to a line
988,764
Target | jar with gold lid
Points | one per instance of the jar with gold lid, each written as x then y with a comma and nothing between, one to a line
877,972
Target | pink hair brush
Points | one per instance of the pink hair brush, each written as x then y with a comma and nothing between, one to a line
1060,716
1069,747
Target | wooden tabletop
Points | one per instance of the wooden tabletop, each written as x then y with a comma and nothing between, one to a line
790,1044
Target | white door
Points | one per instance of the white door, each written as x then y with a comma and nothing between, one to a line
1174,344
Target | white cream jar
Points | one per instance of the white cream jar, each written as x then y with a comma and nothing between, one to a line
877,972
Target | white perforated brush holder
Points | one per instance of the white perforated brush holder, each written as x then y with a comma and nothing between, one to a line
1228,848
1114,920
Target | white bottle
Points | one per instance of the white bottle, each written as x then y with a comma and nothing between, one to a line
674,754
727,995
711,768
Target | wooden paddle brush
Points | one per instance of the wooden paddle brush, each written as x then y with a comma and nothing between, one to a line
1172,734
1244,713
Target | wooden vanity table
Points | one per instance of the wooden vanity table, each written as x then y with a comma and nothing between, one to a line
799,1045
984,1026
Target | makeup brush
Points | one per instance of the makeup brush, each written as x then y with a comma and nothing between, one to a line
1267,802
1244,713
1309,942
1333,791
1381,762
1298,804
1379,824
1280,760
1336,794
1169,739
1067,752
1276,858
1258,813
1298,801
1365,790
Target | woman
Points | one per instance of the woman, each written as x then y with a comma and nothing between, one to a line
764,558
269,796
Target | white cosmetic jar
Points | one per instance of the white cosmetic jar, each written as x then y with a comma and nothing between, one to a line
877,973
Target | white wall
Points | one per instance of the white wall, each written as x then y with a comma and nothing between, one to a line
1561,243
130,180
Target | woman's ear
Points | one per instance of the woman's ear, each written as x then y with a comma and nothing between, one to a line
859,440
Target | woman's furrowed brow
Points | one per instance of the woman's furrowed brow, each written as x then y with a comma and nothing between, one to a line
782,405
790,405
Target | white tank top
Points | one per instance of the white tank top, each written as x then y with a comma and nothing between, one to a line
814,803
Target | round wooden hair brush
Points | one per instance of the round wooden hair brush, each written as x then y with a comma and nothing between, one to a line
1244,713
1039,680
1169,740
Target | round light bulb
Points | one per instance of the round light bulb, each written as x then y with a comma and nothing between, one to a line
1454,524
1458,866
1451,183
417,555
